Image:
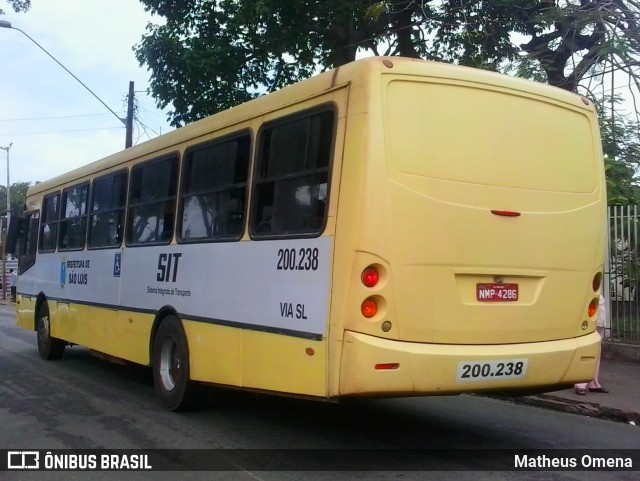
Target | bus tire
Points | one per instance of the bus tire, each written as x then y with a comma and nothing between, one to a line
170,363
49,348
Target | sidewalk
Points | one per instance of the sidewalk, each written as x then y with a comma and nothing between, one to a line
618,374
622,403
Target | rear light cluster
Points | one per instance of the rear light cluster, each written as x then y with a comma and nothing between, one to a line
374,307
370,278
594,305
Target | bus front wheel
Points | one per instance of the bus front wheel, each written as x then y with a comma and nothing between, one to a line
49,348
171,367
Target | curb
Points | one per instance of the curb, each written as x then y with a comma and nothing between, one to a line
621,351
583,408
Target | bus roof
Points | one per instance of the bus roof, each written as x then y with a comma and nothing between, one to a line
355,72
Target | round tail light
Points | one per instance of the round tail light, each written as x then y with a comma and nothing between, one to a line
370,276
369,308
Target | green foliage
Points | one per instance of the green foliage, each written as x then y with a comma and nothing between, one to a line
621,148
18,196
213,54
622,188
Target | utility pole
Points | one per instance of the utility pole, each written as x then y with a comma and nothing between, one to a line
129,125
4,234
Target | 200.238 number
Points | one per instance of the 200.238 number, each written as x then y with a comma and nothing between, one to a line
302,259
499,370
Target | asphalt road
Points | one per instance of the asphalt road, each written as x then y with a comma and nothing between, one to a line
82,402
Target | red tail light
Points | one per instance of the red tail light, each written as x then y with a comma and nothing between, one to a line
370,276
593,307
369,308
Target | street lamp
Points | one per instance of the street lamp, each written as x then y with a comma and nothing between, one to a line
7,24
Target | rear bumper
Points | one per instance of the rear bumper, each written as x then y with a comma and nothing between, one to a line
433,368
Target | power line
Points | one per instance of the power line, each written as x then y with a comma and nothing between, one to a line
53,117
61,131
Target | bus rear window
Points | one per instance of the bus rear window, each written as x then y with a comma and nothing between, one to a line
292,174
488,137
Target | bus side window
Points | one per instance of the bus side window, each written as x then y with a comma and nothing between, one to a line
22,239
73,222
214,190
49,225
152,198
31,243
292,175
106,218
166,224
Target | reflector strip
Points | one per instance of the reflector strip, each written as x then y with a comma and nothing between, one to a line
386,367
506,213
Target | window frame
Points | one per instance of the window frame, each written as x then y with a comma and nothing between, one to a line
63,203
257,165
43,223
183,179
174,156
28,260
90,215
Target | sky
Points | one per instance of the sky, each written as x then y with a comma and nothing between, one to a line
54,123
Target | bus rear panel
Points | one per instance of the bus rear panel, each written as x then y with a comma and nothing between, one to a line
483,213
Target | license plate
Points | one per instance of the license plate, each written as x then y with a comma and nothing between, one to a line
498,370
497,292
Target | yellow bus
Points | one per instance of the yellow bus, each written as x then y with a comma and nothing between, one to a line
392,227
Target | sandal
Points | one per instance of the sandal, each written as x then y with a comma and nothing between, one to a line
598,389
581,391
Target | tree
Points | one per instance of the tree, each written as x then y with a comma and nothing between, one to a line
563,39
18,196
213,54
18,5
621,148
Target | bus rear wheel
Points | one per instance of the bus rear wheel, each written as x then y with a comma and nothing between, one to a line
49,348
171,368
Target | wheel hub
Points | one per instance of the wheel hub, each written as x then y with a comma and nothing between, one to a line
170,364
